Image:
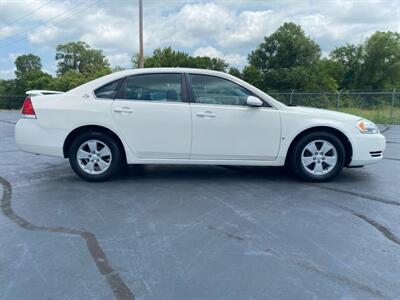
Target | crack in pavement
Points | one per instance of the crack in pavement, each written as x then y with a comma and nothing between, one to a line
382,229
392,158
116,283
10,151
323,187
309,266
227,234
341,279
8,122
360,195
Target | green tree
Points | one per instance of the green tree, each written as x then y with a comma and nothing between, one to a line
7,95
347,62
289,59
333,71
27,63
118,69
381,61
72,79
167,57
29,74
235,72
135,61
7,87
69,80
253,76
33,80
81,58
210,63
287,47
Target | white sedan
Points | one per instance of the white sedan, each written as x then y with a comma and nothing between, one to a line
190,116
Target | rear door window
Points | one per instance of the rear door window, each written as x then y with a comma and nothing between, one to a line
152,87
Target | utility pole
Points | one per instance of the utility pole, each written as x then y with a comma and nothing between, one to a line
141,55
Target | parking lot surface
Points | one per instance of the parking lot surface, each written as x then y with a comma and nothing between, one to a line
196,232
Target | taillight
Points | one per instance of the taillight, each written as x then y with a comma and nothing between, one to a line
27,109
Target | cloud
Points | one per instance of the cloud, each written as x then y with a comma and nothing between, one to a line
7,73
120,59
44,35
189,27
234,59
7,31
362,12
219,28
208,51
12,56
250,27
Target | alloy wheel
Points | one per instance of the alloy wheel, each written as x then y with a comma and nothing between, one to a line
319,157
94,157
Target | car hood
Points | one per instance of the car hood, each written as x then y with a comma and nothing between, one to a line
325,113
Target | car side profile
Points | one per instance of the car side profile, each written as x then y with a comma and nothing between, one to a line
190,116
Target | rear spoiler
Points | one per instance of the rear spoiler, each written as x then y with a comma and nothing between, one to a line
42,92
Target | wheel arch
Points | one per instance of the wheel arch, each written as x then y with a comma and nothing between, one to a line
339,134
92,128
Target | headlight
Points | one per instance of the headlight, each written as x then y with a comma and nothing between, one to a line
366,126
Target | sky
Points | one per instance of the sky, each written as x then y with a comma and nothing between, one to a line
227,29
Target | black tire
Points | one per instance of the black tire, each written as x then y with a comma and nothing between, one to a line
116,162
295,159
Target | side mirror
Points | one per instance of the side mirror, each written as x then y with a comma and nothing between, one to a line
254,101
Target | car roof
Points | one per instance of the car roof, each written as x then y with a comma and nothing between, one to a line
115,76
94,84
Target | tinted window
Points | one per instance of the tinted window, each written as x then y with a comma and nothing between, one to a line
215,90
153,87
108,91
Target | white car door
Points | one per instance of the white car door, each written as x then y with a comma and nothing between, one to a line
153,117
225,128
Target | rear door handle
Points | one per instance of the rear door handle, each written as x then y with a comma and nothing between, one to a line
123,110
206,114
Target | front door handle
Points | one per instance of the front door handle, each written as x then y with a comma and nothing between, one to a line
123,110
206,114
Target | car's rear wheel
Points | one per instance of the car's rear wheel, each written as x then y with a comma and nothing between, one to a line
318,156
95,156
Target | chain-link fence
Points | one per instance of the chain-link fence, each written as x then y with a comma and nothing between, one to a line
380,107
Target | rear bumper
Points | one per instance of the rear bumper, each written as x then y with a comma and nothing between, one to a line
367,149
30,137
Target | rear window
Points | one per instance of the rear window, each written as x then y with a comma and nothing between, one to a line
108,91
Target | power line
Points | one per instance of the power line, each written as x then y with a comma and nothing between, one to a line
28,14
51,19
54,23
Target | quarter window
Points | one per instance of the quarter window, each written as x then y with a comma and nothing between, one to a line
108,91
153,87
215,90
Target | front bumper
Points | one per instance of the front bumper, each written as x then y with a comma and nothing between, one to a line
31,137
367,149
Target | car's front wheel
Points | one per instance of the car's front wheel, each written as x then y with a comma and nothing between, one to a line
318,156
95,156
